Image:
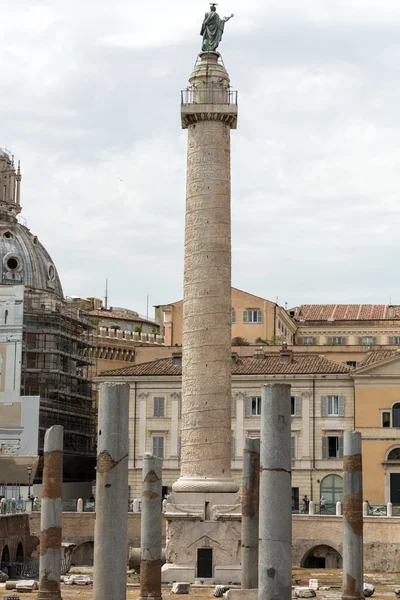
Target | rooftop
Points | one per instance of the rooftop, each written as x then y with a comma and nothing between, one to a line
125,316
376,356
301,364
346,312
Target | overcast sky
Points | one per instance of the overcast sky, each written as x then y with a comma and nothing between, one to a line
90,100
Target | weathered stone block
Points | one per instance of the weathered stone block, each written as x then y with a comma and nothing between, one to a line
304,592
180,587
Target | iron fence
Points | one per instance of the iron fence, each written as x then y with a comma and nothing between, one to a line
215,95
29,568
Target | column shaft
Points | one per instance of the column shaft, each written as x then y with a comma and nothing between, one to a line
111,525
275,531
51,516
250,503
353,584
206,378
151,529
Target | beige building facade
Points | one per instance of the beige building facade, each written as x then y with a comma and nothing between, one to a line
253,319
322,409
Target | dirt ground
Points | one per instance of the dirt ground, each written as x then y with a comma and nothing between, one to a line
385,584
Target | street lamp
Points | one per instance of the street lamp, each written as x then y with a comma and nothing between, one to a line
29,469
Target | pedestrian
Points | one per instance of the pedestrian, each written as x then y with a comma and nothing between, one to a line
322,504
306,504
369,508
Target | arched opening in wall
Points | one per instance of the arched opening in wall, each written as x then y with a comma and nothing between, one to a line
83,555
332,490
393,470
322,557
20,553
5,557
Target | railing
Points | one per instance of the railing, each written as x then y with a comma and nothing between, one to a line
215,95
29,568
369,510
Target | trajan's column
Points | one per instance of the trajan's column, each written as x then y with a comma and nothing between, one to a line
203,512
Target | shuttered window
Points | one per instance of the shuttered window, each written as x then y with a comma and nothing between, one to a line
293,447
158,446
332,447
295,408
233,316
367,341
159,407
332,406
252,316
233,407
232,448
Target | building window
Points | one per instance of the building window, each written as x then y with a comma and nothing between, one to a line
395,341
295,406
396,415
332,447
233,316
295,500
309,341
256,406
337,341
367,341
332,406
394,454
159,407
386,418
351,363
158,446
232,448
252,316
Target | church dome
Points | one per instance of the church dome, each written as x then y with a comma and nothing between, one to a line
23,259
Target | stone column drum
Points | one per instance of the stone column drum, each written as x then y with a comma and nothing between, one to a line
51,515
275,547
111,525
151,529
207,305
353,576
250,502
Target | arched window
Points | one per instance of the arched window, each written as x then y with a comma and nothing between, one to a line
394,454
332,489
396,415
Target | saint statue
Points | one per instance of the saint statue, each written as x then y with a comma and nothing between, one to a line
212,29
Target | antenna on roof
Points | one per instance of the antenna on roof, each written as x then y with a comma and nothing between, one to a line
106,296
147,307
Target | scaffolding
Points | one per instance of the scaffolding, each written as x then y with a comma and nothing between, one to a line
58,362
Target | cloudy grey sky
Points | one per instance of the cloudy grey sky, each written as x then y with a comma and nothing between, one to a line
89,101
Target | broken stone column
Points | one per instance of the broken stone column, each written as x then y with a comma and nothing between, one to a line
111,525
352,518
151,529
275,531
51,515
250,501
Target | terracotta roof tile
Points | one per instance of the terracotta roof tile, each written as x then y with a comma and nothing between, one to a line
376,356
305,364
346,312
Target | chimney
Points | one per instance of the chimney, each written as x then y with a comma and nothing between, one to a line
259,353
286,354
235,358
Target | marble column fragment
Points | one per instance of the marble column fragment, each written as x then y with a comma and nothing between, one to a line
250,501
151,528
111,525
275,530
51,516
353,585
